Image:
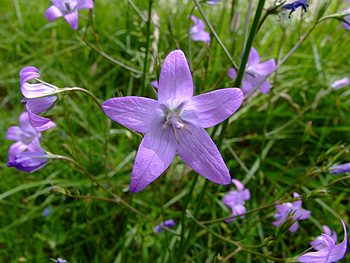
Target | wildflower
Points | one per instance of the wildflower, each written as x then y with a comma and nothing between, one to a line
47,210
212,2
330,253
293,6
28,161
25,136
342,168
60,260
197,32
35,102
175,124
346,23
289,208
68,9
341,83
319,243
167,224
255,72
235,200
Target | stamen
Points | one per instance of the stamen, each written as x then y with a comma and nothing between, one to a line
176,136
185,127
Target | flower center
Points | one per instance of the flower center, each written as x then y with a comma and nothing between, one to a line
173,118
70,6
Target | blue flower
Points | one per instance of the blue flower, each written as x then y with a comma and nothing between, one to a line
167,224
47,210
293,6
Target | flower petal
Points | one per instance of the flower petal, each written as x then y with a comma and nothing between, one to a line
153,157
15,149
200,153
201,36
34,107
238,184
264,68
315,257
52,13
232,73
28,161
85,4
72,19
27,129
253,58
135,113
338,251
294,227
246,85
14,133
28,73
175,81
216,106
341,83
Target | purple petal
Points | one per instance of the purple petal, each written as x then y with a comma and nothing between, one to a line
175,81
72,19
200,153
154,84
265,87
327,230
238,184
215,2
238,210
278,222
153,157
340,168
14,133
341,83
246,85
347,19
169,223
133,112
201,36
284,209
232,73
264,68
245,195
60,4
15,149
253,58
34,107
294,227
230,198
297,204
199,25
27,129
317,243
338,252
216,106
85,4
52,13
302,214
28,73
28,161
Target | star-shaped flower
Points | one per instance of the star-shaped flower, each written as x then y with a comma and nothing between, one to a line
330,253
289,208
197,32
235,200
255,72
35,103
68,9
175,124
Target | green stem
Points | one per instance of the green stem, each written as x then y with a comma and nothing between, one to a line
246,28
137,11
215,34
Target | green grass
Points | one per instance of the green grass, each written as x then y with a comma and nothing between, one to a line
277,156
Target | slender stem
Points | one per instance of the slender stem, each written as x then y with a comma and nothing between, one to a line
246,28
84,91
137,11
215,34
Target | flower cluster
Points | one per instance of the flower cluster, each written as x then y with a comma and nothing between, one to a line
167,224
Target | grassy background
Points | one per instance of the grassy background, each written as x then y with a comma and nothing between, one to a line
275,156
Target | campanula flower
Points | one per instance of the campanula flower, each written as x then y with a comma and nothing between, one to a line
68,9
289,208
28,161
319,242
235,200
48,210
330,253
293,6
341,83
25,136
346,24
175,124
342,168
255,72
167,224
197,32
212,2
35,102
60,260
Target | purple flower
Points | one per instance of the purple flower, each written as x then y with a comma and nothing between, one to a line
235,200
342,168
197,32
293,6
35,102
60,260
289,208
341,83
25,136
330,253
255,72
68,9
167,223
215,2
175,124
346,24
47,210
319,243
28,161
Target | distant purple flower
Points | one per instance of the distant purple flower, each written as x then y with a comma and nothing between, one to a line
68,9
47,210
342,168
346,24
289,208
319,242
28,161
175,124
293,6
235,200
197,32
35,105
330,253
215,2
25,136
255,72
341,83
166,224
60,260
